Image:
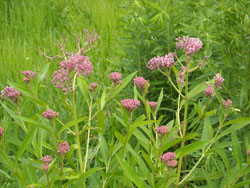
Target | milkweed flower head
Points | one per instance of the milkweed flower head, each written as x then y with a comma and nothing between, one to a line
76,64
218,80
162,130
140,82
169,159
248,152
171,163
227,103
161,62
130,104
11,93
45,167
28,75
1,131
190,45
93,86
49,114
46,159
209,92
115,77
63,148
153,105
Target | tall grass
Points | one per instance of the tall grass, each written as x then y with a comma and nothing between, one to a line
28,25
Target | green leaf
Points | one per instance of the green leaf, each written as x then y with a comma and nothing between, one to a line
103,99
159,101
188,149
71,123
104,149
25,144
81,177
241,184
83,85
176,141
235,127
236,148
100,122
131,173
120,137
43,72
240,120
33,122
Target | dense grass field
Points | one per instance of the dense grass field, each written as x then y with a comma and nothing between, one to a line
187,120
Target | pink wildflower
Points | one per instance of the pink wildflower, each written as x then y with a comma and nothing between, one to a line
49,114
161,62
10,93
248,152
82,65
46,159
153,105
171,163
28,75
168,156
209,92
227,103
181,75
190,45
218,80
93,86
78,64
130,104
63,148
161,130
45,167
140,82
115,77
1,131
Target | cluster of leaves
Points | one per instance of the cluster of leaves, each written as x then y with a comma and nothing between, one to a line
111,147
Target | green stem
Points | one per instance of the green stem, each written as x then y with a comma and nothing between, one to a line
77,139
47,176
87,144
184,124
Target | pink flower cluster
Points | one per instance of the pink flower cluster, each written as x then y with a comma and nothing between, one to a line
93,86
153,105
78,64
162,130
218,80
140,82
28,75
130,104
49,114
10,93
181,75
1,131
161,62
46,161
190,45
63,148
115,77
169,159
248,152
227,103
209,92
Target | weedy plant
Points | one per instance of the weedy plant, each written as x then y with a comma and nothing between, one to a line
90,138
